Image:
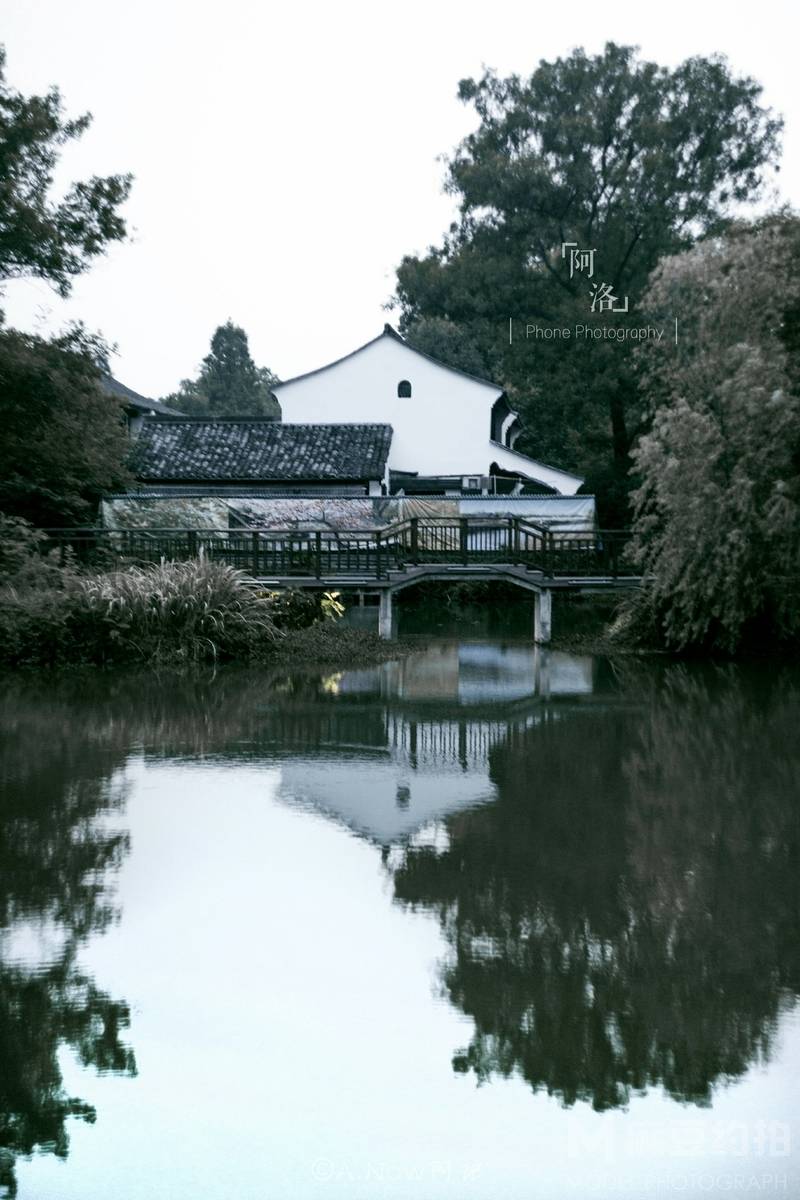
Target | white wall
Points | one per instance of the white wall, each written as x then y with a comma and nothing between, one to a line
442,430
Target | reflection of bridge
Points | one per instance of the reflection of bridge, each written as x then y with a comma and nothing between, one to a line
391,558
393,749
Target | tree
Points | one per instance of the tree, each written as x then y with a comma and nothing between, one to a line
717,513
610,152
64,441
447,342
51,240
229,384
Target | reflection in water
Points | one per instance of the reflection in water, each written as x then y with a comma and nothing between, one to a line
626,913
55,855
612,856
408,743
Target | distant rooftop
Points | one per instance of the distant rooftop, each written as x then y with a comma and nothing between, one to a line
132,399
250,450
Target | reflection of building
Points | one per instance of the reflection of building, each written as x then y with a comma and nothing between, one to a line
477,673
386,798
399,746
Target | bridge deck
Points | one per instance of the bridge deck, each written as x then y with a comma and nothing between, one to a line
386,558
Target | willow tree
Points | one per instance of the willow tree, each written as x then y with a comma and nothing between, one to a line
718,508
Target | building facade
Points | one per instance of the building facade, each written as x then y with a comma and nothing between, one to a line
446,425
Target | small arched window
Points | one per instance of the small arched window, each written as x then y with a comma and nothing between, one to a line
404,389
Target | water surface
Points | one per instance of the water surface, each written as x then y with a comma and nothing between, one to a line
487,922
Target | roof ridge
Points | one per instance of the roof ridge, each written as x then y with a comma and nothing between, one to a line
537,461
274,422
390,332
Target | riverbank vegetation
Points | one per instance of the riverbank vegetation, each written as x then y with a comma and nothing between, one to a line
717,509
178,612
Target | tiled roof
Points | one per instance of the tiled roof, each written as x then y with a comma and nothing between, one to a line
259,450
132,399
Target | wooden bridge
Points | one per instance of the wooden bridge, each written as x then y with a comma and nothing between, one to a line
386,559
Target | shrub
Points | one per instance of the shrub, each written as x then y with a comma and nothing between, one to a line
35,627
335,644
292,609
185,611
195,609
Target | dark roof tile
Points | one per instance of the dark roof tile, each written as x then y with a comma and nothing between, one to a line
135,400
259,450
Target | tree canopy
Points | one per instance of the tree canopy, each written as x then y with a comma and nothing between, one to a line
64,440
49,239
612,153
718,507
229,383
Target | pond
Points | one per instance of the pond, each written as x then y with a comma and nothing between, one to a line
488,921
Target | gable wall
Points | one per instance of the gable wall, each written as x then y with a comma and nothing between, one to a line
442,429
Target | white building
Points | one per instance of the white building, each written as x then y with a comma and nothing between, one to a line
446,424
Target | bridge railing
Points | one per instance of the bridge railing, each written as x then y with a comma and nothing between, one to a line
364,553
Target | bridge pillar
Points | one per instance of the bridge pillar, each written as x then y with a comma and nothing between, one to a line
542,616
385,614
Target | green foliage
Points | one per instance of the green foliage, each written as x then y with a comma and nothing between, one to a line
19,545
331,606
229,384
179,611
337,645
291,608
608,151
36,626
718,509
38,237
64,441
448,343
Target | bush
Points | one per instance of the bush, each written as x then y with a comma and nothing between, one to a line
639,622
334,644
19,546
182,611
35,627
293,609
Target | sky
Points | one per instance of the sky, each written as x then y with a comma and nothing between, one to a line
286,156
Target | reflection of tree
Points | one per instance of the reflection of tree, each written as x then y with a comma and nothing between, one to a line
56,853
626,914
62,747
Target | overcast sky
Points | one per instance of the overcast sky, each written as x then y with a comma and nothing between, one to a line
286,155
